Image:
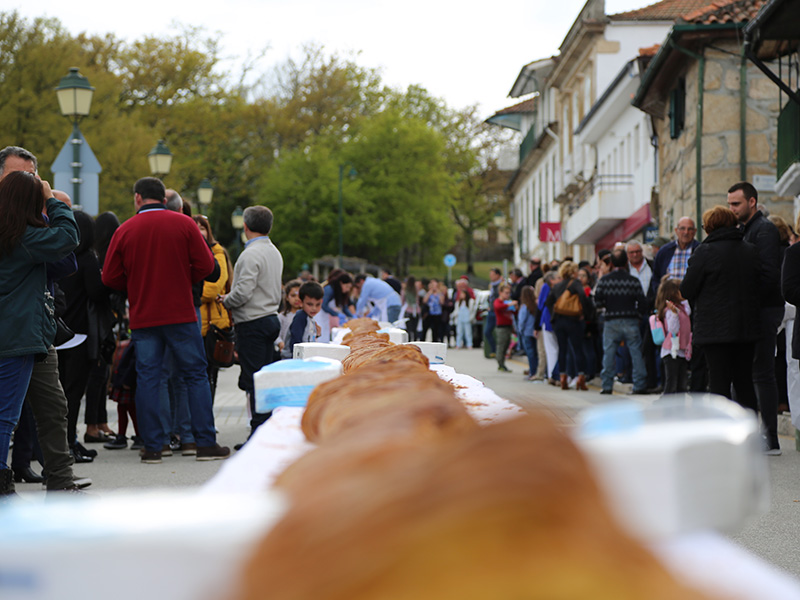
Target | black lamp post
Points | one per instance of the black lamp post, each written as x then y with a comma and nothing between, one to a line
75,99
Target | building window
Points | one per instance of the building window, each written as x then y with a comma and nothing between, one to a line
677,109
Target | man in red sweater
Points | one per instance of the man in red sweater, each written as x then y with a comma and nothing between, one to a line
155,257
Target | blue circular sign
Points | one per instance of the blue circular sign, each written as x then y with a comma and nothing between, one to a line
450,260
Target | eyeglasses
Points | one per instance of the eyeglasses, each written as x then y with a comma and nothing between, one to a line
687,228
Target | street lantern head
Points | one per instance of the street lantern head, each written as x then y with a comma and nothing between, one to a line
74,94
205,192
160,159
237,218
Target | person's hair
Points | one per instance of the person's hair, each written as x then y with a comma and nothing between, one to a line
288,287
186,207
500,288
174,201
670,289
517,272
150,188
86,229
19,153
104,227
21,204
550,276
633,243
202,221
567,269
336,278
747,188
359,278
718,216
589,276
545,267
311,289
528,297
497,271
619,258
535,259
258,219
784,229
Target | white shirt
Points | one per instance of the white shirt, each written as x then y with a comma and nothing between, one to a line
643,274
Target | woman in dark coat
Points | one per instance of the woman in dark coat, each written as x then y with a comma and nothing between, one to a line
722,284
569,329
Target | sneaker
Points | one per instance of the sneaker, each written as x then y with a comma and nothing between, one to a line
215,452
771,447
175,443
137,443
606,392
82,482
504,369
151,457
118,443
188,449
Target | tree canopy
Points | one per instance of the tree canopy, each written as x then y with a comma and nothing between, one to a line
419,168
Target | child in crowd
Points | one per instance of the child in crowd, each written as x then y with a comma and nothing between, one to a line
504,309
303,327
676,351
526,323
291,304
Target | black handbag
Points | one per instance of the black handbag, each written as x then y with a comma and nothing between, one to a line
63,332
220,344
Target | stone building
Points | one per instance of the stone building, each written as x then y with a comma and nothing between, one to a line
699,79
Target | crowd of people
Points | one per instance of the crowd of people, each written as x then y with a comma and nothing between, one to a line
670,317
93,309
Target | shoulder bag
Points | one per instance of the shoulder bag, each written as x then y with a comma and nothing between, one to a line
568,304
219,343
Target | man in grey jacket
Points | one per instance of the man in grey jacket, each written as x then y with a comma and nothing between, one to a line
254,300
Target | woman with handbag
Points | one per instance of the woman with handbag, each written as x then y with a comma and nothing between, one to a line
568,304
212,313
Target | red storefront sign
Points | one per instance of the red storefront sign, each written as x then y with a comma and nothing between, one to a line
549,232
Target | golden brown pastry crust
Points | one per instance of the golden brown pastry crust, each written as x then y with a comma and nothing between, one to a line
506,511
408,397
372,354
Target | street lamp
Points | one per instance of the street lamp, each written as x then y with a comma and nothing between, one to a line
351,174
204,194
160,159
75,99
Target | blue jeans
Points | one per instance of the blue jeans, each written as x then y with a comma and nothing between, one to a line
615,331
393,313
570,334
175,415
184,340
15,375
531,351
489,345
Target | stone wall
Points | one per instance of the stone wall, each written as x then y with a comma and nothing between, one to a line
721,137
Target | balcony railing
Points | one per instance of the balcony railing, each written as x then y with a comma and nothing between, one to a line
607,183
788,137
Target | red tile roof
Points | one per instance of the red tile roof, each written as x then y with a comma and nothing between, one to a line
724,11
526,106
666,10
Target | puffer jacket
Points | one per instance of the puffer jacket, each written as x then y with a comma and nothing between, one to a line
722,284
27,324
211,310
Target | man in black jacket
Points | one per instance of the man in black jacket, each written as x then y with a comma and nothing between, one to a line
759,231
620,293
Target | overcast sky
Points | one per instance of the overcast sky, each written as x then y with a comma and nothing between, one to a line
467,52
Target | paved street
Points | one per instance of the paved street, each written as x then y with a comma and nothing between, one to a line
774,536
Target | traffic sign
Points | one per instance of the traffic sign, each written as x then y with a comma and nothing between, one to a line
450,260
